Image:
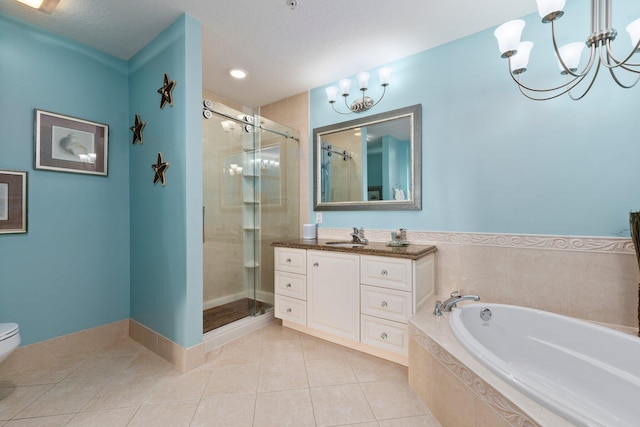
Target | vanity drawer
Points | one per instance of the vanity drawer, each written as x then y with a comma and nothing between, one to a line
291,260
393,273
384,334
291,284
385,303
291,309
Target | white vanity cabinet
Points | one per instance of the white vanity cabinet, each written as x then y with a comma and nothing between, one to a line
333,293
353,298
290,285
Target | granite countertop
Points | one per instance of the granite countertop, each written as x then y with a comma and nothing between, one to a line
409,251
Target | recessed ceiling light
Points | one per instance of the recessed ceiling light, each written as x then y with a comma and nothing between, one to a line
46,6
237,73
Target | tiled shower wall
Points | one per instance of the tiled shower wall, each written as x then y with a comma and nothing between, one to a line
589,278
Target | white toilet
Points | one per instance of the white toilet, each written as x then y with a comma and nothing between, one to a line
9,339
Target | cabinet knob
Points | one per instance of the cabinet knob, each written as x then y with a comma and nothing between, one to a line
383,335
383,304
288,285
289,310
315,264
288,260
384,272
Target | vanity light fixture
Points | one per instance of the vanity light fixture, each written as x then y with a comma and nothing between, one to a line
568,56
47,6
363,103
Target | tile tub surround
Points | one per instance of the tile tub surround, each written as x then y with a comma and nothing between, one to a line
458,389
271,377
589,278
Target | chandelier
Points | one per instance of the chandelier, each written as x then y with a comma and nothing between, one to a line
568,56
363,103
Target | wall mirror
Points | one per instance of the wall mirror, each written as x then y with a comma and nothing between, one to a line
371,163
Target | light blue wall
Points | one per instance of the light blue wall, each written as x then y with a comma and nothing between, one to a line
166,247
494,161
71,270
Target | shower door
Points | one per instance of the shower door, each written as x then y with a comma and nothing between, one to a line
251,198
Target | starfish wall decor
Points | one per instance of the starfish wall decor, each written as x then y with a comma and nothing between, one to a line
166,91
160,168
137,129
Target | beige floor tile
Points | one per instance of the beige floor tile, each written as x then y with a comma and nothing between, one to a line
107,418
54,421
393,399
38,375
15,399
315,349
278,333
341,404
174,414
239,353
369,368
121,394
282,376
229,380
101,368
227,411
421,421
284,408
330,372
282,351
179,386
150,366
63,398
369,424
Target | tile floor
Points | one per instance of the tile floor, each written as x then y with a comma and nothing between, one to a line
272,377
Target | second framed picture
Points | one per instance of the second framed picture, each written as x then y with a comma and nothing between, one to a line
69,144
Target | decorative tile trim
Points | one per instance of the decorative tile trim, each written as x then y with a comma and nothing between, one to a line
498,402
563,243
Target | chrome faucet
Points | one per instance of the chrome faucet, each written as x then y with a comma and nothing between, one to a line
358,236
451,303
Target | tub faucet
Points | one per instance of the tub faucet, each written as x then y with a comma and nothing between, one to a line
358,236
451,303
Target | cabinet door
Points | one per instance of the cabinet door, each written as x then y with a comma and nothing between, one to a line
333,293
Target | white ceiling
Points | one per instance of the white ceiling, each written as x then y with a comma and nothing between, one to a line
285,51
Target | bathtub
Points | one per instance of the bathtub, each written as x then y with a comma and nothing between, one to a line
588,374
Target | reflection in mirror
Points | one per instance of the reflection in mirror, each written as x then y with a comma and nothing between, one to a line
372,163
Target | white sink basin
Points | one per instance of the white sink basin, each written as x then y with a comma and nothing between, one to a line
345,244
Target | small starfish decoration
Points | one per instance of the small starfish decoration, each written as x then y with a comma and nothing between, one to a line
166,91
159,168
137,129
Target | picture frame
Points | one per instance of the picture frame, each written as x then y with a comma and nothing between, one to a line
13,201
70,144
374,193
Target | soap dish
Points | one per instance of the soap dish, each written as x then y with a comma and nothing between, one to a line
396,243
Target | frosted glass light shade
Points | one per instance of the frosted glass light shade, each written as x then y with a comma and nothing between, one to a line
332,93
385,75
634,32
344,84
547,7
363,80
570,54
33,3
508,36
519,61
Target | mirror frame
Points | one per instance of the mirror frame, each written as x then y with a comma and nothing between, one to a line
414,112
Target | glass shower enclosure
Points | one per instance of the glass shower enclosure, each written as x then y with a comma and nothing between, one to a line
251,198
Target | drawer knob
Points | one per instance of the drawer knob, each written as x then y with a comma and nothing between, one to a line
289,310
288,260
383,335
315,264
383,304
288,285
384,272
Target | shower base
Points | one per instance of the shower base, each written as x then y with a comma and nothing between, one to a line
221,315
